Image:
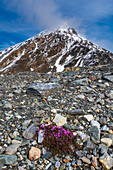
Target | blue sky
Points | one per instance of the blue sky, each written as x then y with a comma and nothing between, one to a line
22,19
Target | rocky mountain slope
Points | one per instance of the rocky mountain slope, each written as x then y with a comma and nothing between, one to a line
53,51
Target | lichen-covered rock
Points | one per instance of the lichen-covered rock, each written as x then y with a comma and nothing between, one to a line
107,161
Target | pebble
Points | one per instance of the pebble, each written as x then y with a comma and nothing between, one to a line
106,141
60,120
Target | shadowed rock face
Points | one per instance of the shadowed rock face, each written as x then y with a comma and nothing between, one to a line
53,52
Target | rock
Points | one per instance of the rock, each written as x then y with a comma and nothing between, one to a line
8,159
83,82
8,106
92,78
40,136
82,135
65,161
106,160
59,120
80,96
89,117
85,160
57,164
79,163
106,141
12,149
88,145
38,89
94,133
95,123
110,94
26,123
104,128
103,148
18,91
34,153
30,132
86,89
75,112
94,161
47,155
79,153
108,77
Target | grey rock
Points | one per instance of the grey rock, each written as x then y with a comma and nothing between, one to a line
40,136
95,123
12,149
80,96
102,149
48,166
88,145
104,128
30,132
8,159
79,163
57,164
83,82
79,153
8,106
69,168
108,77
26,123
47,155
110,94
18,91
85,160
86,89
94,133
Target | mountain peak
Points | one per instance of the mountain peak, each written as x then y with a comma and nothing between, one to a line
53,51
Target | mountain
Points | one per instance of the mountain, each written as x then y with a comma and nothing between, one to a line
53,51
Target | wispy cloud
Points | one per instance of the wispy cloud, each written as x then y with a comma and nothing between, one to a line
44,13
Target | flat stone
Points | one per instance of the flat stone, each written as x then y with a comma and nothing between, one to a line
85,160
8,106
106,160
94,133
86,89
83,82
39,88
59,120
47,155
106,141
8,159
12,149
30,132
80,96
108,77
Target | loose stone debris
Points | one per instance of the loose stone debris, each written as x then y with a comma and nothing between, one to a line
80,100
